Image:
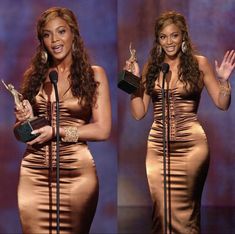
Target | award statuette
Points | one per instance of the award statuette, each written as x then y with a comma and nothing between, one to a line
128,82
23,131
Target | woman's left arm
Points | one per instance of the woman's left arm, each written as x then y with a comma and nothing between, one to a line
218,85
100,127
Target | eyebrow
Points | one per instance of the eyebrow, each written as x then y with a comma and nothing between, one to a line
47,30
170,34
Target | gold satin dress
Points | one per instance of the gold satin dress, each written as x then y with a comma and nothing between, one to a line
187,161
78,178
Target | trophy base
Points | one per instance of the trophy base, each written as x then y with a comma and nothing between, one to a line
128,82
23,131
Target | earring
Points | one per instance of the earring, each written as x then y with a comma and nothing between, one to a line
159,50
44,56
73,47
184,47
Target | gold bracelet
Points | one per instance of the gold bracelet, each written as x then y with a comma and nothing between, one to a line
71,134
225,91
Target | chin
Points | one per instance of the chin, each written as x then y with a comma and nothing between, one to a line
59,58
172,54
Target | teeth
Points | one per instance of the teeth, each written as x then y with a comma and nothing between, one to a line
57,48
170,48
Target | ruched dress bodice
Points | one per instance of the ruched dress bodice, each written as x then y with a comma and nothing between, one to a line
71,114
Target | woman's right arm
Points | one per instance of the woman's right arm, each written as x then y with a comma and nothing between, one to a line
140,99
23,112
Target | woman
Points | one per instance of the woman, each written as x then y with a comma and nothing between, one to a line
85,115
187,153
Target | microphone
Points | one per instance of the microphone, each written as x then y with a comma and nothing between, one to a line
53,75
165,68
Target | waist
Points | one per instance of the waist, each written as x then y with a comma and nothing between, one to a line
45,155
177,107
182,129
42,148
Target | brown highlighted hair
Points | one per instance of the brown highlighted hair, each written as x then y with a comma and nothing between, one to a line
83,84
189,72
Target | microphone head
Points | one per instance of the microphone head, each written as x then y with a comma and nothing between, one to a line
53,75
165,68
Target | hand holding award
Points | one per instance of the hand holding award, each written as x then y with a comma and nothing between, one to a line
128,81
25,116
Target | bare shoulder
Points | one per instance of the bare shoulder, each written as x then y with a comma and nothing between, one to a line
99,73
202,61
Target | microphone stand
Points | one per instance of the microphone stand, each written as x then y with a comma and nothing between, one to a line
164,151
57,159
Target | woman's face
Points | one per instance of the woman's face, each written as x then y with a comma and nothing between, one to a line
170,39
58,39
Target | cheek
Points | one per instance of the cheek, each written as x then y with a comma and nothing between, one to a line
161,42
68,45
69,41
180,39
177,41
46,43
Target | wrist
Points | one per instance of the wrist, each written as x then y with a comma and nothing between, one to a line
62,132
69,134
225,88
54,132
222,80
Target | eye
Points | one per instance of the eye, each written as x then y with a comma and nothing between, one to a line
45,35
162,37
62,31
175,35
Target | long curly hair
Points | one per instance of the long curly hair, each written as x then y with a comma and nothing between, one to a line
188,72
83,84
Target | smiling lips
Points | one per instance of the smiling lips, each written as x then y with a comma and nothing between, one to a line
170,48
57,49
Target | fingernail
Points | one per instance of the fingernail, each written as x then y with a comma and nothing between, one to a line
33,132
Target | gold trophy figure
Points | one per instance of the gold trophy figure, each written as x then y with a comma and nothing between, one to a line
128,82
132,59
18,97
23,131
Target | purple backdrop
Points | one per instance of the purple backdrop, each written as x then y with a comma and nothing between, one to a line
211,24
107,27
17,43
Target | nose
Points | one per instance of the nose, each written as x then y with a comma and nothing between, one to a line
169,40
53,37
